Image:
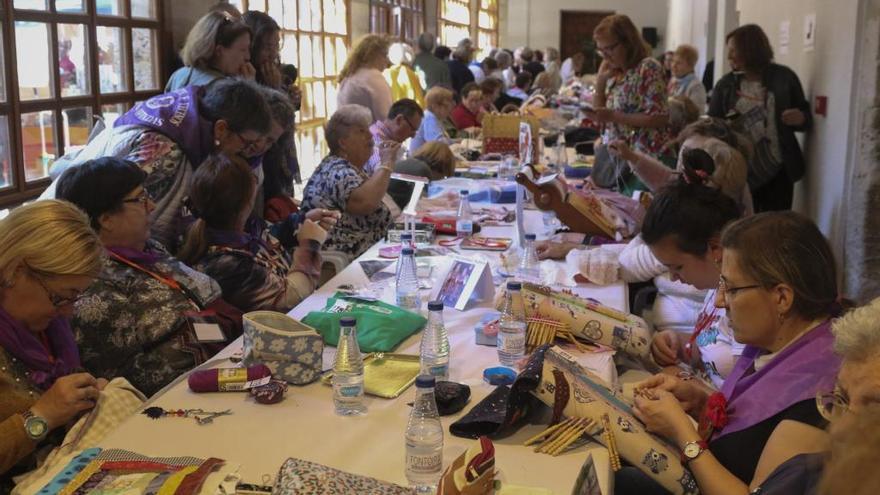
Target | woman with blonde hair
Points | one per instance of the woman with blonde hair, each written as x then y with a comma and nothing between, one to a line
439,104
630,93
49,255
433,161
361,81
403,80
217,46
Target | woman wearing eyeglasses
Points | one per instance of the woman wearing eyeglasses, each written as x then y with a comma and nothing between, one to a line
170,134
631,97
778,288
137,319
48,257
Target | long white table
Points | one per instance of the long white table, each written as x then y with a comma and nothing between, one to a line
261,437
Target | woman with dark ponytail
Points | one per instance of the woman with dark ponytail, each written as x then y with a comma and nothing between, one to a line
257,269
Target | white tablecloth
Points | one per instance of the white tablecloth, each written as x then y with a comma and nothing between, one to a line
261,437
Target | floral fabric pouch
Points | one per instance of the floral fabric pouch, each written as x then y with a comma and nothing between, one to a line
291,350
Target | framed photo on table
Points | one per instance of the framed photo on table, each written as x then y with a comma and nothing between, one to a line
464,279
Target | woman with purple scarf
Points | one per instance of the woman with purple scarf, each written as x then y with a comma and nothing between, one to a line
137,320
169,135
48,256
779,289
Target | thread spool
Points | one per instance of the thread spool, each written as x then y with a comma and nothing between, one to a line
226,379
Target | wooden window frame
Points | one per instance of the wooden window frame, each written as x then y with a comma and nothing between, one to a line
19,189
408,8
474,29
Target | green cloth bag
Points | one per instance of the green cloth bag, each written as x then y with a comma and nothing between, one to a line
380,327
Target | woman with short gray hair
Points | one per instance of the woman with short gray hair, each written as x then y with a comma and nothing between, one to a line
340,183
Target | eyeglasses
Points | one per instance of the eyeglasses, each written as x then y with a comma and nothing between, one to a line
607,51
832,405
56,299
248,143
142,198
730,292
411,126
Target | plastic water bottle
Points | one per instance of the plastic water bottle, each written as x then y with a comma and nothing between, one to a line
406,239
424,439
434,350
529,267
348,371
512,327
407,281
464,222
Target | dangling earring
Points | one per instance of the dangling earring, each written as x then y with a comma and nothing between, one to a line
216,142
781,318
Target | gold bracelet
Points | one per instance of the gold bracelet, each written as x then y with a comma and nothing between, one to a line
386,167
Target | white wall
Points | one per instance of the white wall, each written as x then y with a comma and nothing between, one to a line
535,23
827,70
692,22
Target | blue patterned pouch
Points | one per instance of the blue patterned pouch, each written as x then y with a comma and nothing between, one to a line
292,351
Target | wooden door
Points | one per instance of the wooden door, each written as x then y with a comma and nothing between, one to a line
576,34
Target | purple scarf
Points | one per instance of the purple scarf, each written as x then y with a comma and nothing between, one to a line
137,256
797,373
251,240
176,115
26,346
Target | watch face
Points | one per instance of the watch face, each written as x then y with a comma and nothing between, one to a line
691,450
36,427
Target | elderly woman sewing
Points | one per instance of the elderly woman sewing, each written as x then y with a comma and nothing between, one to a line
340,183
779,289
48,257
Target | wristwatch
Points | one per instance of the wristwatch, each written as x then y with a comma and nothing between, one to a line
36,427
692,450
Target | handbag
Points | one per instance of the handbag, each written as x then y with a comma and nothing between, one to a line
380,327
501,134
609,172
291,350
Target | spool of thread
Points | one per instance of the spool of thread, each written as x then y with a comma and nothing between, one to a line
226,379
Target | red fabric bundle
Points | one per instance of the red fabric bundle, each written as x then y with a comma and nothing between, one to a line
226,379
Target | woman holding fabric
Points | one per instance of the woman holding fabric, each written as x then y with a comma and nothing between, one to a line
779,297
48,257
340,183
767,101
217,46
136,320
169,135
630,99
257,269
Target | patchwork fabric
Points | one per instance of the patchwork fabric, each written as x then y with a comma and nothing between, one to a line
116,471
297,476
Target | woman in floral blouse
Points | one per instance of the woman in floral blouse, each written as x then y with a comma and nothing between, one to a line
631,92
340,183
133,320
257,270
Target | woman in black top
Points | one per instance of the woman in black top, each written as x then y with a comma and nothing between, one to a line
767,101
778,287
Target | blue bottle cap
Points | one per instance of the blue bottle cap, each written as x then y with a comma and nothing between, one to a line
513,285
499,375
406,237
425,381
531,237
463,192
407,251
347,321
435,306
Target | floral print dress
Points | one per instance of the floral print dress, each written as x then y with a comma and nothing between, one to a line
330,187
641,89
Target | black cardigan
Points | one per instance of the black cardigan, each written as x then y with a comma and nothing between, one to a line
788,93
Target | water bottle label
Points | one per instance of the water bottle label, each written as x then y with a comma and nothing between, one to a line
350,391
409,301
464,226
424,463
512,343
441,370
